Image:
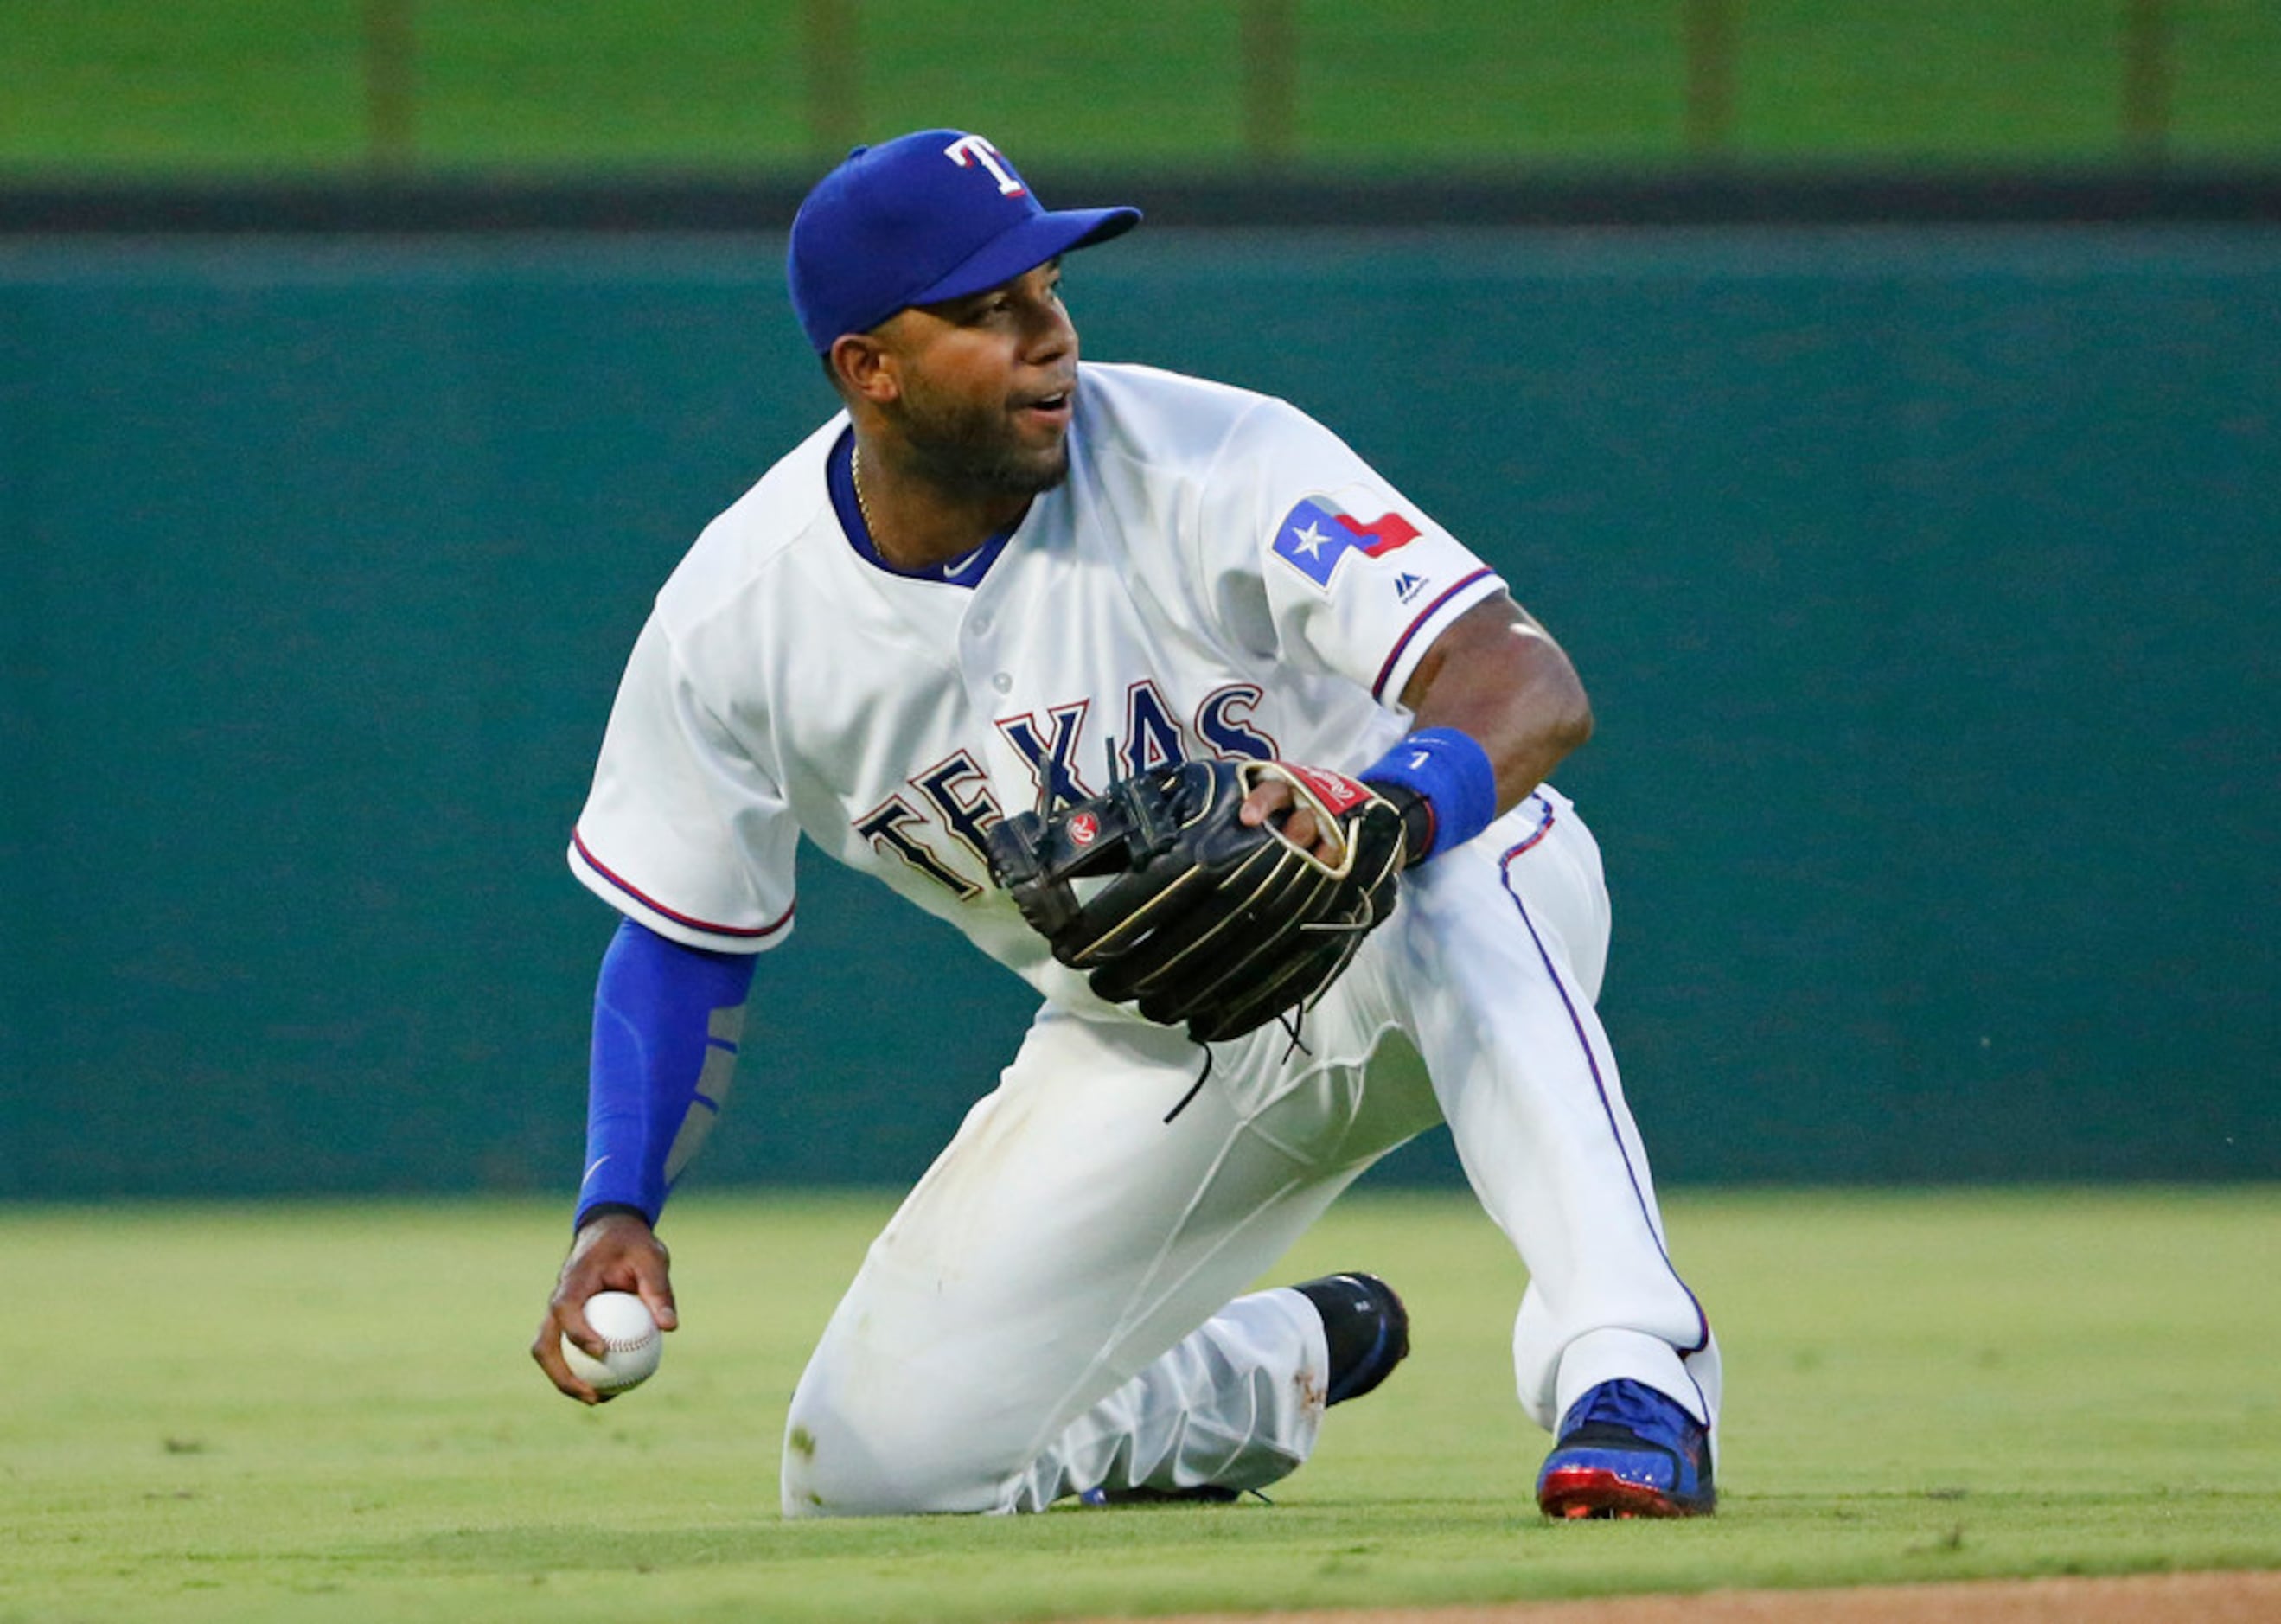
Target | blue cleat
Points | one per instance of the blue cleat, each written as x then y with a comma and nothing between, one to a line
1627,1451
1208,1494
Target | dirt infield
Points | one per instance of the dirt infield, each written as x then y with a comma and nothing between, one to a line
2155,1598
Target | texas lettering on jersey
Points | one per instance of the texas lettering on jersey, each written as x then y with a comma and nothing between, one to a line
949,807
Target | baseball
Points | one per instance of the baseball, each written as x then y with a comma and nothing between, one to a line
622,1320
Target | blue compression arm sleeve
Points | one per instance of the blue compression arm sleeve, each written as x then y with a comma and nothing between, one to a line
666,1022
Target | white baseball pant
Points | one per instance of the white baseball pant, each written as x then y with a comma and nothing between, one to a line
1053,1307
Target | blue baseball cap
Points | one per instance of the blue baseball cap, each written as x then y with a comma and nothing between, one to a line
926,217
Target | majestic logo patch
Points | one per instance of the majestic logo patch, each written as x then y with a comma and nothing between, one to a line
1318,534
1407,586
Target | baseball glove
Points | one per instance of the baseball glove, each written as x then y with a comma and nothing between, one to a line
1166,896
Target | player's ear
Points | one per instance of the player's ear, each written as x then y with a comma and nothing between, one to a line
863,368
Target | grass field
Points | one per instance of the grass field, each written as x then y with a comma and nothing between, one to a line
279,85
298,1412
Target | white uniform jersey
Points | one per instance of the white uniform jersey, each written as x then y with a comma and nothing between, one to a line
1220,576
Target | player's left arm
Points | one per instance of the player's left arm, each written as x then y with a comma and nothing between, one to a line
1497,677
1497,705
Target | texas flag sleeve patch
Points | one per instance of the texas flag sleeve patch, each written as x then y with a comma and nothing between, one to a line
1316,536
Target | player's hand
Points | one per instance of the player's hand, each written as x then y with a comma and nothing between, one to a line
1270,798
616,1251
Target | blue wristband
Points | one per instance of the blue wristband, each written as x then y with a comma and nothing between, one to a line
1451,773
666,1019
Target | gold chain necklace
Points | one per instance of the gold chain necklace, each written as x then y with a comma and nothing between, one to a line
856,478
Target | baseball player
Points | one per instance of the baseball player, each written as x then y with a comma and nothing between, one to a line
998,579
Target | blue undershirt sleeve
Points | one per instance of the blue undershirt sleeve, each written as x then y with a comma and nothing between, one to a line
666,1023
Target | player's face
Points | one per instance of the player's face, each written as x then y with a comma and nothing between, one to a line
988,386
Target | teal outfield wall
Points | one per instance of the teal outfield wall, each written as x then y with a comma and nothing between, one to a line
1925,583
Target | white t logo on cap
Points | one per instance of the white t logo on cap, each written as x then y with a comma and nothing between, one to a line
969,151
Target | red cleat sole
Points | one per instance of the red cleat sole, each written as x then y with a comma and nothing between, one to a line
1579,1493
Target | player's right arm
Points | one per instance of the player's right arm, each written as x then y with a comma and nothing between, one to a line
666,1020
614,1251
688,836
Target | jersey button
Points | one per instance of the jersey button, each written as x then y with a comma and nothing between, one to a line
1002,682
979,622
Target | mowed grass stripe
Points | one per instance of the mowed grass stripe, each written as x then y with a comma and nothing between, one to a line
324,1411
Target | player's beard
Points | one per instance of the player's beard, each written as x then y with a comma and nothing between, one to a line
972,451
